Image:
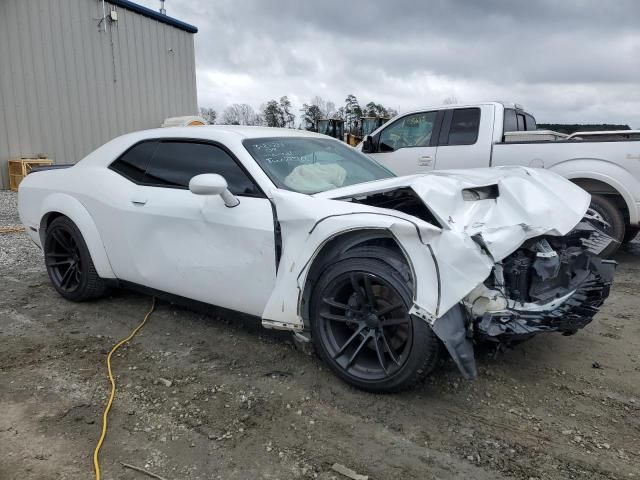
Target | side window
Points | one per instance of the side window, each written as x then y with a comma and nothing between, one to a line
133,163
410,131
465,123
530,122
177,162
521,125
510,121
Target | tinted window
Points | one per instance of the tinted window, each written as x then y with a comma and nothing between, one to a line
410,131
465,123
510,122
311,165
520,118
530,122
175,163
133,163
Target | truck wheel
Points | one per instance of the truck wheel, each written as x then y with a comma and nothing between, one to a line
69,263
361,326
612,215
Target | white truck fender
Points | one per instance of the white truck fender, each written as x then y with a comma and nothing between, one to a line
74,210
592,169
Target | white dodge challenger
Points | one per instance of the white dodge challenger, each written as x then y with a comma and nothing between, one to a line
381,273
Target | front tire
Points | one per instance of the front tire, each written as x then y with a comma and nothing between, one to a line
611,214
69,263
361,325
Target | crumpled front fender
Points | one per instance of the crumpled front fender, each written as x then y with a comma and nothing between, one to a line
446,265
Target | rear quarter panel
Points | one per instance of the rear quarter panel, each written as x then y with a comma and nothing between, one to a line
51,192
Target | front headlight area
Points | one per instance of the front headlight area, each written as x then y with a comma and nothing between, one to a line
548,284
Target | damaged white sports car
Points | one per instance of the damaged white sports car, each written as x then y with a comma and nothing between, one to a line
311,236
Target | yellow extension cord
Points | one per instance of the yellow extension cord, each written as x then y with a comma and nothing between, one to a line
96,462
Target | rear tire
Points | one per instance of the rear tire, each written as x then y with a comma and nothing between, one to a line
361,327
69,262
612,215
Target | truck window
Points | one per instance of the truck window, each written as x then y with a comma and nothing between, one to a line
520,120
465,123
411,131
510,122
530,122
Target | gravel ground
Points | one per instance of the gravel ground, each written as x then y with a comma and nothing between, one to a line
207,395
16,251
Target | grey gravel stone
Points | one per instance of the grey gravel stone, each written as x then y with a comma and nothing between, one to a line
17,251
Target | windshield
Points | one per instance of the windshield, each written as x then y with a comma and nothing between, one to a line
311,165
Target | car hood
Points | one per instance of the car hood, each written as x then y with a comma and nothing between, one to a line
500,207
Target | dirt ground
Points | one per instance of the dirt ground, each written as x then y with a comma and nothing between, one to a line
209,396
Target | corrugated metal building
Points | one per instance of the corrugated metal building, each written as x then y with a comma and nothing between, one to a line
72,79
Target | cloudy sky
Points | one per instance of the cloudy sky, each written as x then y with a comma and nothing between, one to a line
566,61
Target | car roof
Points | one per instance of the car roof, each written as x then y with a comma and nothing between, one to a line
218,131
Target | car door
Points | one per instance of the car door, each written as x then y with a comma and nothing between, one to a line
409,144
193,245
465,138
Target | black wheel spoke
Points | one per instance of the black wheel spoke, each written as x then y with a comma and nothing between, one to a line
390,322
64,283
63,242
389,309
57,255
59,262
358,350
380,354
389,351
332,302
357,289
368,289
337,318
348,342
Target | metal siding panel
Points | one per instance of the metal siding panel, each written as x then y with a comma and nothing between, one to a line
5,103
56,147
43,117
17,85
32,137
57,94
87,35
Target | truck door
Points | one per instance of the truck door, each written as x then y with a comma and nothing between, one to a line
465,138
409,144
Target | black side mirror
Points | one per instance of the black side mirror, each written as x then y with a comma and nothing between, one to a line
367,144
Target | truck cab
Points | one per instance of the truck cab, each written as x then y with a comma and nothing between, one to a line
445,137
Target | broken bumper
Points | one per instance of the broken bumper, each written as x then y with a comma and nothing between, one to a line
573,313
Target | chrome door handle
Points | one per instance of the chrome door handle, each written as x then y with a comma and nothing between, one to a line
425,161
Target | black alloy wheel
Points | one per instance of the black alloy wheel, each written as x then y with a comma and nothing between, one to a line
361,324
69,264
63,260
365,325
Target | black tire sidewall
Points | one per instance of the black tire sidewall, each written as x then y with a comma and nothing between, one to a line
423,339
86,263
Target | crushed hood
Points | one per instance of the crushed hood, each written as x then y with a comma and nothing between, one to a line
523,203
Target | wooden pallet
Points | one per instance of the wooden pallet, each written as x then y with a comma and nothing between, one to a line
20,167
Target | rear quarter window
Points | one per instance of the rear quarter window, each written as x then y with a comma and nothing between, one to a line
133,163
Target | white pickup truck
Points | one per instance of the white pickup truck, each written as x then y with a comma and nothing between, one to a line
496,133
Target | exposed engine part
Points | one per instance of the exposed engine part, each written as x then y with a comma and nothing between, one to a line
517,276
550,284
569,316
403,200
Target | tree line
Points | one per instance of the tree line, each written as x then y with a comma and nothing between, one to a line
278,113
